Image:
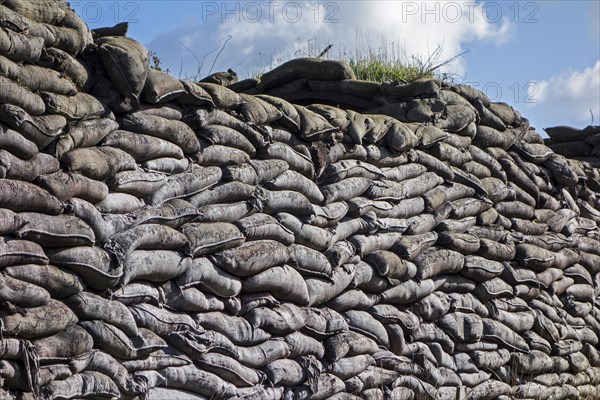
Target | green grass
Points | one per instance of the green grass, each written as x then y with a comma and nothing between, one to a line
387,62
375,70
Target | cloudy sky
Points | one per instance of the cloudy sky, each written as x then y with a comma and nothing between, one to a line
542,57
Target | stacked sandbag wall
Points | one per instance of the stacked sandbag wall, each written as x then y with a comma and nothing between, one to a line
165,239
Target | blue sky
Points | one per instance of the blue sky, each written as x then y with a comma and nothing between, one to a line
542,57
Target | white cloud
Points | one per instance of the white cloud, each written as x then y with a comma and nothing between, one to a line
288,29
567,98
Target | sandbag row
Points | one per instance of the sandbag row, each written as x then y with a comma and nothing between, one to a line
168,239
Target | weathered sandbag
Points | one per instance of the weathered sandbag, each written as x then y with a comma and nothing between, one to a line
20,47
286,319
308,235
437,261
321,290
193,379
297,161
301,345
497,251
411,246
206,276
227,212
497,332
27,170
81,385
202,117
92,263
329,215
223,97
365,244
294,181
345,189
309,262
15,252
258,111
408,292
36,78
252,257
55,314
454,283
489,390
65,185
153,265
15,143
306,68
230,370
353,299
157,360
236,329
481,269
185,184
390,190
103,226
365,324
189,300
490,360
242,173
161,321
206,238
57,282
14,94
85,133
166,165
218,155
55,231
366,278
65,345
325,386
493,288
10,222
161,87
389,265
535,258
126,62
349,169
285,372
225,136
76,107
21,293
270,281
462,327
119,203
263,227
146,236
176,132
98,163
195,95
142,147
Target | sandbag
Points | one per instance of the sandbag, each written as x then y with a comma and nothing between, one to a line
307,68
185,184
252,257
10,222
126,62
55,316
85,133
210,278
76,107
98,163
90,262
